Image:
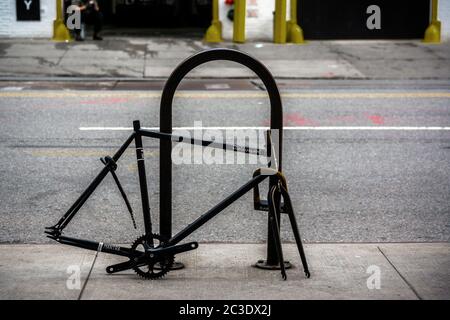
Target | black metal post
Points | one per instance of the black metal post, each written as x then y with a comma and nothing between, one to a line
272,261
276,123
142,178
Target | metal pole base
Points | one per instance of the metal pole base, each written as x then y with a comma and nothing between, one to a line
175,266
261,264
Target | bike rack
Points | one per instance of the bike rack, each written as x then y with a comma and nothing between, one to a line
276,122
152,252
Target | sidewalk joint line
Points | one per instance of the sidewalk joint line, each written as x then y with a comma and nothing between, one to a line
88,276
115,83
401,276
62,57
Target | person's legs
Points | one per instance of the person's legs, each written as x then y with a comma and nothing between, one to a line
97,18
79,33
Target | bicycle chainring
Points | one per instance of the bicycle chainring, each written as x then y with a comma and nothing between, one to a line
153,268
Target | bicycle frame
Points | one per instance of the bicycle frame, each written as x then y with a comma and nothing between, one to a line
171,246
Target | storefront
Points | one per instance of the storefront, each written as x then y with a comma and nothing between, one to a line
319,19
34,18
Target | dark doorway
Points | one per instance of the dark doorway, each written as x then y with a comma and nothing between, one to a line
157,13
346,19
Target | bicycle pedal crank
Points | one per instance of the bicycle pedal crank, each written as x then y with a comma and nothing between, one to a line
151,259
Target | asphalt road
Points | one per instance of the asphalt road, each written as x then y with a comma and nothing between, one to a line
347,185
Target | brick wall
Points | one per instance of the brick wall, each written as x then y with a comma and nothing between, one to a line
10,27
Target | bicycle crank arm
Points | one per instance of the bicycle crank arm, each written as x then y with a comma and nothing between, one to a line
173,250
153,253
121,266
136,262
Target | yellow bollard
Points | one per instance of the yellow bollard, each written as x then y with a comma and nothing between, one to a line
60,31
279,29
239,21
214,32
433,32
294,33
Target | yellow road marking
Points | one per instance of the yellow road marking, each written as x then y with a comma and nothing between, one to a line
223,94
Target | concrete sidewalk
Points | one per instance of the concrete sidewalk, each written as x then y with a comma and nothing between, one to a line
155,58
223,271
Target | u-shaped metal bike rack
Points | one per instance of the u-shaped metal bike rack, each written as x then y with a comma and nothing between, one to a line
276,122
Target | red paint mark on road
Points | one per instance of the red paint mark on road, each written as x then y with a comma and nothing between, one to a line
297,119
106,100
376,119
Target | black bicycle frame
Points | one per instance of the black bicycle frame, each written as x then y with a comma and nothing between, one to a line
56,230
272,205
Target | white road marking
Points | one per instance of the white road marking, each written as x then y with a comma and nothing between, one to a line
12,89
303,128
99,95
